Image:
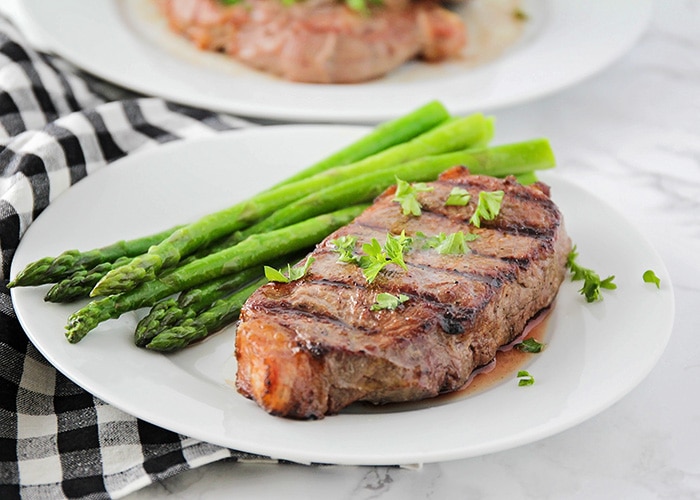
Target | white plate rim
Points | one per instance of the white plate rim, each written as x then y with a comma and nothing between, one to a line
571,42
192,404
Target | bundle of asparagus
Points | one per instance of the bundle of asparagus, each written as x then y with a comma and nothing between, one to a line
216,262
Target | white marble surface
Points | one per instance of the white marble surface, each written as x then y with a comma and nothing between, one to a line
631,134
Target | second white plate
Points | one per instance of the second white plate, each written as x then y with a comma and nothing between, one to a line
565,42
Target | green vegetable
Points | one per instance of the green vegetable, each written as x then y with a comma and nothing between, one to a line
450,136
592,284
222,313
488,207
524,378
53,269
381,137
649,276
171,311
252,251
526,178
458,197
406,196
80,283
388,301
530,345
293,273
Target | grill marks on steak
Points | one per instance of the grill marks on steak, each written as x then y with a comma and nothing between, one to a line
311,347
320,41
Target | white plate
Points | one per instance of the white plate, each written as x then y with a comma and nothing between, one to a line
596,352
565,42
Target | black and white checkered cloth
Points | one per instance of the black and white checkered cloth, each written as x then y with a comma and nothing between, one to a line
56,440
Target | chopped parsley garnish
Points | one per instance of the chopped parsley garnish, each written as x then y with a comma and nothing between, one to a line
377,257
388,301
592,284
488,207
649,276
530,345
293,273
345,246
406,196
524,378
458,197
450,244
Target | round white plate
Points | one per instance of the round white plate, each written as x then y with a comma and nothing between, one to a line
596,352
565,41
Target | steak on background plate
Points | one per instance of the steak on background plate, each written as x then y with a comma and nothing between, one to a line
311,347
320,41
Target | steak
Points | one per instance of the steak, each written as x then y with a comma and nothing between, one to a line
311,347
320,41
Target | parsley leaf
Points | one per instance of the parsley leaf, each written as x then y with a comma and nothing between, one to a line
530,345
592,284
293,273
406,196
388,301
488,207
345,246
377,257
524,378
458,197
373,261
451,244
395,247
649,276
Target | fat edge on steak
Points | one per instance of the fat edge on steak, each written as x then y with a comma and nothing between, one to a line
311,347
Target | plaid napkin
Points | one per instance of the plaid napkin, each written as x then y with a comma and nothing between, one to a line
56,127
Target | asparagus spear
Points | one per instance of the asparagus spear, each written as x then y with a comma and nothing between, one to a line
170,312
252,251
164,314
451,136
53,269
383,136
79,284
221,313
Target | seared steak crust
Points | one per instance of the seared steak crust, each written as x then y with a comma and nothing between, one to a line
309,348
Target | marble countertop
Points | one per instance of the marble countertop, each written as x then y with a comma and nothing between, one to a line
631,134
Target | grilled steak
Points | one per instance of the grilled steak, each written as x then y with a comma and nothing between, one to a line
320,41
309,348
